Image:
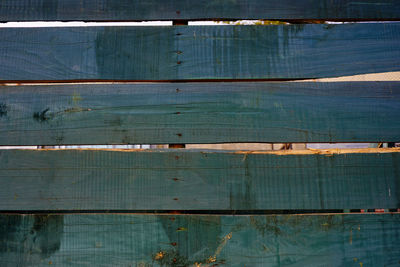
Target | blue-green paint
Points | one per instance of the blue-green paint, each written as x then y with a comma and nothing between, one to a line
196,180
173,113
105,10
153,240
198,52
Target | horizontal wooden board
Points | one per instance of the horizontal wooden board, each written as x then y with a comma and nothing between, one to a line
198,52
196,180
175,113
188,240
106,10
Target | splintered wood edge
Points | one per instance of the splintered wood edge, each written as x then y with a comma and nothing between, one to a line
309,151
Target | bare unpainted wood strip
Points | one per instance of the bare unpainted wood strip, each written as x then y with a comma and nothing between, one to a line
331,151
198,180
371,77
278,52
126,10
194,240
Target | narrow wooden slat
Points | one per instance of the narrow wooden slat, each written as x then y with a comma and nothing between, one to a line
198,52
197,180
106,10
182,113
187,240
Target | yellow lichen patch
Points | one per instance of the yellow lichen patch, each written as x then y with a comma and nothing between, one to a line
356,259
159,255
213,258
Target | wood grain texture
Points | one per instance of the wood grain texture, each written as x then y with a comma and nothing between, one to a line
198,52
174,113
105,10
196,180
156,240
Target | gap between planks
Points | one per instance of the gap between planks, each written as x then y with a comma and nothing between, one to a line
369,77
309,151
198,212
105,81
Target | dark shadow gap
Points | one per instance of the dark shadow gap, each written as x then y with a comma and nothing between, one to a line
91,81
199,212
214,19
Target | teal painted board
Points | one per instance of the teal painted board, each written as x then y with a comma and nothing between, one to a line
197,180
198,52
195,240
173,113
123,10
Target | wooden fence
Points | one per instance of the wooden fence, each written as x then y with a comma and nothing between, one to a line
186,84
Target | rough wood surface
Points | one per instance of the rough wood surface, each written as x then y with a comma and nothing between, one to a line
106,10
198,52
176,113
197,180
188,240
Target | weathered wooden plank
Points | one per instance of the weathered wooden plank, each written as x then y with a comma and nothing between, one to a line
198,52
106,10
173,113
188,240
197,180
